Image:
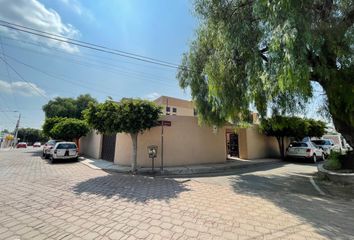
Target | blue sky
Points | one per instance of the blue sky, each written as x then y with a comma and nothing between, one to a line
158,29
155,28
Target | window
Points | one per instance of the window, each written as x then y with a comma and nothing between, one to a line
168,109
66,146
174,110
298,144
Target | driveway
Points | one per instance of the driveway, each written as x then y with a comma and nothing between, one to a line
71,201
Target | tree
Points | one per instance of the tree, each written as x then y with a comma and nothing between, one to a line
269,54
49,124
68,107
31,135
5,131
131,116
70,129
281,127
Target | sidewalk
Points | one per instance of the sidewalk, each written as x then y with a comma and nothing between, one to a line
234,163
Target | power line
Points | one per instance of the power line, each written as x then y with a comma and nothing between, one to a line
8,73
55,77
29,83
113,68
86,44
92,44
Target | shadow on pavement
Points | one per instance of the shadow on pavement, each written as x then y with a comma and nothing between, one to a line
331,217
132,188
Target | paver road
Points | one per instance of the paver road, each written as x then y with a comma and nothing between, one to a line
71,201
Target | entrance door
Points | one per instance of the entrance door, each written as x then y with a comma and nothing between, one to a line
232,145
108,147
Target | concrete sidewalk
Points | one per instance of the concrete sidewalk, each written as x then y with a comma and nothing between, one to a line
230,164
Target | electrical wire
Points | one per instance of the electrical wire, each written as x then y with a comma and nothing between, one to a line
91,44
85,44
29,83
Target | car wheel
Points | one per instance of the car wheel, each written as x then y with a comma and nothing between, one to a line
314,158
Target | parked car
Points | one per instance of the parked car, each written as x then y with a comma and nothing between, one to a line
64,150
21,145
48,146
340,145
325,144
37,144
306,150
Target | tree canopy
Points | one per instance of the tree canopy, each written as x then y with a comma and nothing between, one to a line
298,128
68,107
127,116
70,129
267,54
49,124
31,135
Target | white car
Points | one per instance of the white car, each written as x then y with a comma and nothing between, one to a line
325,144
37,144
64,150
307,150
48,146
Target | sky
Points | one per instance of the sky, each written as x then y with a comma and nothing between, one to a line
41,69
46,69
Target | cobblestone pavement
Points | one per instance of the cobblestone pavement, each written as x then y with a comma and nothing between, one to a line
71,201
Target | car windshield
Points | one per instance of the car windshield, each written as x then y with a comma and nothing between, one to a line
66,146
298,144
51,142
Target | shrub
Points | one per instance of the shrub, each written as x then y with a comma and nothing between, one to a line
333,162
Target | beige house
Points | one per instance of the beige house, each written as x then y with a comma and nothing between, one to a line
181,140
175,106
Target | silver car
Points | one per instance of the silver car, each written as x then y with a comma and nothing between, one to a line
64,150
306,150
325,144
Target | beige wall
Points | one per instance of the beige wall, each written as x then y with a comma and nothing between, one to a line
181,111
255,145
185,143
91,145
184,107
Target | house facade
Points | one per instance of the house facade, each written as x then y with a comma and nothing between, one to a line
181,140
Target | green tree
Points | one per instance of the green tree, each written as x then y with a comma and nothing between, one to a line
49,124
31,135
5,131
269,54
68,107
70,129
132,116
282,127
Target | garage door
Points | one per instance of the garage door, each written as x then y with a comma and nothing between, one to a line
108,147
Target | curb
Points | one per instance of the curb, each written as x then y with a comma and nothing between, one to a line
185,171
344,178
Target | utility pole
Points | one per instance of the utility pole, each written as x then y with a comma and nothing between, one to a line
16,129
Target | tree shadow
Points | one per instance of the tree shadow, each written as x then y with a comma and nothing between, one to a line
330,216
133,188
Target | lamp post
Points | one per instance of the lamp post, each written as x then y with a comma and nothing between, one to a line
17,125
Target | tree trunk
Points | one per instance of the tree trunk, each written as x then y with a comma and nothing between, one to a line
340,110
281,147
134,137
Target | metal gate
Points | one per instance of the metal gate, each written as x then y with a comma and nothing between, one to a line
232,145
108,147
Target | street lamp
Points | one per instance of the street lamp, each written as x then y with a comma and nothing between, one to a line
17,124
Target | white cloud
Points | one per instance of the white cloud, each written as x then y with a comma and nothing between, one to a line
33,14
21,88
76,6
152,96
